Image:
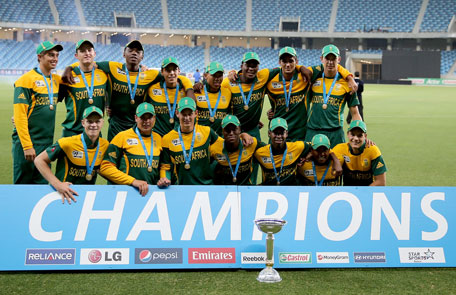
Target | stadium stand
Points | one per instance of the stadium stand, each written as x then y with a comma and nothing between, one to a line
67,13
438,15
447,60
367,51
26,11
207,15
396,16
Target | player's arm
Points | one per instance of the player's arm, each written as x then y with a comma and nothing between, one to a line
355,113
336,165
378,170
188,86
379,180
165,164
353,102
349,78
42,163
22,99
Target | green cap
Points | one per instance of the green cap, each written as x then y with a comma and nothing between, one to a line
214,67
288,50
145,108
48,45
230,119
320,140
135,44
250,56
90,110
82,41
186,103
330,49
358,124
278,122
169,60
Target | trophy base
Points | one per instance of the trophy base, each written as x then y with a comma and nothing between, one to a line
269,275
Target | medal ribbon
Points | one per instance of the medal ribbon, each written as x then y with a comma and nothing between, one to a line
184,151
171,112
246,101
281,165
238,160
89,90
287,97
89,167
132,94
150,156
50,92
214,110
326,96
324,174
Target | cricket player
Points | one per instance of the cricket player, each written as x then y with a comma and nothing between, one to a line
330,94
78,157
316,170
133,155
363,164
35,101
91,88
165,95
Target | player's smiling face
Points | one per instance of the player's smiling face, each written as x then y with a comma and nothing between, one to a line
145,123
278,137
214,80
187,119
231,133
356,138
170,73
320,155
92,125
250,69
85,54
330,63
133,56
49,59
288,63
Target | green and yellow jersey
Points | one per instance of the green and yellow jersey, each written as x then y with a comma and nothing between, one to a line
295,150
125,160
200,172
76,98
223,108
33,118
360,169
71,158
222,172
156,96
306,173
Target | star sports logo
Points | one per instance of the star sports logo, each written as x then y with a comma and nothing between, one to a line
422,255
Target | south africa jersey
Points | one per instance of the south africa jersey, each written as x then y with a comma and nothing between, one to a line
360,169
199,172
76,98
157,97
306,174
71,158
286,175
222,110
33,119
125,159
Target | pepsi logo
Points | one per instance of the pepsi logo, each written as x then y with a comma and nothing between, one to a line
94,256
145,256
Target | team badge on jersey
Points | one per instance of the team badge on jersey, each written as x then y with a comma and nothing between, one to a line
39,83
119,71
290,156
77,154
201,98
132,141
317,83
276,85
266,160
338,86
220,157
77,80
199,137
223,98
308,172
245,153
233,84
157,92
176,142
98,77
347,159
365,162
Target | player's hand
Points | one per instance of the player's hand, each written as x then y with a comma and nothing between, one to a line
108,111
232,76
142,186
304,159
260,125
369,143
336,168
143,68
30,154
352,84
65,191
67,76
197,87
270,114
246,139
306,74
163,182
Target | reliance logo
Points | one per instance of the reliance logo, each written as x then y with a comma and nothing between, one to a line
50,256
211,255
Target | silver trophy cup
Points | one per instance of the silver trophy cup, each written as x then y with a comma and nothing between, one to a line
270,227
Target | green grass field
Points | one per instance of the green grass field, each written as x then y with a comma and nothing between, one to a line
415,130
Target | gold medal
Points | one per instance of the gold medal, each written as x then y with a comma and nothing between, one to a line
88,177
212,119
325,106
287,109
187,166
132,101
171,120
149,169
234,179
51,107
246,107
90,101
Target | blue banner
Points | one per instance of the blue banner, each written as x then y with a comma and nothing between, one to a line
183,227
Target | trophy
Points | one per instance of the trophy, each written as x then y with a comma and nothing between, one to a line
270,227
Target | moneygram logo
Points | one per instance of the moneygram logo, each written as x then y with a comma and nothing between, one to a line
370,257
421,255
211,255
105,256
158,255
295,257
333,257
50,256
253,258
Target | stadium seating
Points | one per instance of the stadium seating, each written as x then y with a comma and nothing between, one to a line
438,15
398,16
26,11
367,51
446,61
68,15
